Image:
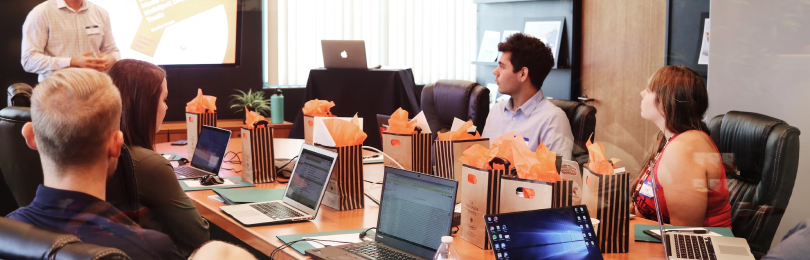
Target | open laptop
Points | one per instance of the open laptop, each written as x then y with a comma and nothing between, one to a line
303,195
557,233
344,54
208,154
416,210
695,246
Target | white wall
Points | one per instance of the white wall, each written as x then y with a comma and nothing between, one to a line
760,62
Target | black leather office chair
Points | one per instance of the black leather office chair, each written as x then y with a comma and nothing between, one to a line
19,94
446,99
766,154
582,118
24,241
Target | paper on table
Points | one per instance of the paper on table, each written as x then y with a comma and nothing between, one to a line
711,233
320,135
489,46
348,238
196,183
421,122
457,124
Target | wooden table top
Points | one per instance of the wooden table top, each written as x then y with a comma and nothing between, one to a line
263,238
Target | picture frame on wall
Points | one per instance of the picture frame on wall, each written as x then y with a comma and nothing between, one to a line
550,30
685,24
705,29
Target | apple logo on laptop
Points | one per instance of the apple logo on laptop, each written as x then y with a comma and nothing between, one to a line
343,54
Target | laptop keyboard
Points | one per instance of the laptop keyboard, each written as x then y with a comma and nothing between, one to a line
190,172
694,247
276,210
374,251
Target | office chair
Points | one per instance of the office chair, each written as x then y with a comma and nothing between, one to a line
24,241
19,94
766,153
582,118
446,99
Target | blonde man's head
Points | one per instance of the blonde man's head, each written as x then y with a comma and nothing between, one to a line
74,111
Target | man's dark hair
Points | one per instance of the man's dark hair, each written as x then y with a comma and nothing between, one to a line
531,53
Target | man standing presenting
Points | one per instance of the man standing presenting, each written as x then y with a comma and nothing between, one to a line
524,65
67,33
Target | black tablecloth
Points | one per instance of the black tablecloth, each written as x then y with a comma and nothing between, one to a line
366,92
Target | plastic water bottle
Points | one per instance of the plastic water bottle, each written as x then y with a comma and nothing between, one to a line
277,108
447,251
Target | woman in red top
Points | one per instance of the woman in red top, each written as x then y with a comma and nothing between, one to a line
691,179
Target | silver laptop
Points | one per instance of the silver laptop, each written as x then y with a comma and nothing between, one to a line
303,195
208,154
416,210
340,54
694,246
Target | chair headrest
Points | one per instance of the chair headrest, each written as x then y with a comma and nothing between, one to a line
19,94
745,135
452,97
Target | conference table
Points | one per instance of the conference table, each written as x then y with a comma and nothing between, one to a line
263,238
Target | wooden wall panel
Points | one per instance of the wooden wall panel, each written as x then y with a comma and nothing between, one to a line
622,45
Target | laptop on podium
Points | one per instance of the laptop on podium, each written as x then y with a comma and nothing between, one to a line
344,54
416,210
208,154
303,195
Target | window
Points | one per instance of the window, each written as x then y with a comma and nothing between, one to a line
434,38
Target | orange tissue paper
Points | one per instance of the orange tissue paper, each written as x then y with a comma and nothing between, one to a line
318,108
460,134
398,123
477,156
345,133
598,163
538,166
202,104
251,118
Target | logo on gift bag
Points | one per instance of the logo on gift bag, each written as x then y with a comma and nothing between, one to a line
395,143
472,179
190,119
309,122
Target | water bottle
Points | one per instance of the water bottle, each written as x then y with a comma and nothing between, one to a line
446,251
277,108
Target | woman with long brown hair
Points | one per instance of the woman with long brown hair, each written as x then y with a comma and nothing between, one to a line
691,180
166,208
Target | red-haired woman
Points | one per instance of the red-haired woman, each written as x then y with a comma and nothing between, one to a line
691,179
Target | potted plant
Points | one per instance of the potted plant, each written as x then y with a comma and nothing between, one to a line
254,101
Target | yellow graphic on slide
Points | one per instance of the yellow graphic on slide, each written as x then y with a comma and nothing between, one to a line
160,14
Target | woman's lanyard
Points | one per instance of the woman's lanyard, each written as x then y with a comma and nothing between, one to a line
650,168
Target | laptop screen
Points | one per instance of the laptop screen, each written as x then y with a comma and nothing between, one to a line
211,146
416,210
309,177
559,233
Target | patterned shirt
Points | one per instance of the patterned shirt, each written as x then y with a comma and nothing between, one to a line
94,221
538,120
53,33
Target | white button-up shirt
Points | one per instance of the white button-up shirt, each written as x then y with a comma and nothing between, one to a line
538,120
53,33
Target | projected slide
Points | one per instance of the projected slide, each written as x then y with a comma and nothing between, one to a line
174,32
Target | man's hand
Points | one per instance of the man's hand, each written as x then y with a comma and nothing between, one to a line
108,61
87,61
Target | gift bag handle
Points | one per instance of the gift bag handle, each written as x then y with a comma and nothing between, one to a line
500,160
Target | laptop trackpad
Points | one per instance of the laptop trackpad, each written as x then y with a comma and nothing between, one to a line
733,250
246,213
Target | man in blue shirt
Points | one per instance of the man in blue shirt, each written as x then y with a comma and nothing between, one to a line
521,70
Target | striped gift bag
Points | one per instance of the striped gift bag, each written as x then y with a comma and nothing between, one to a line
608,200
194,123
258,160
345,189
480,196
410,151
